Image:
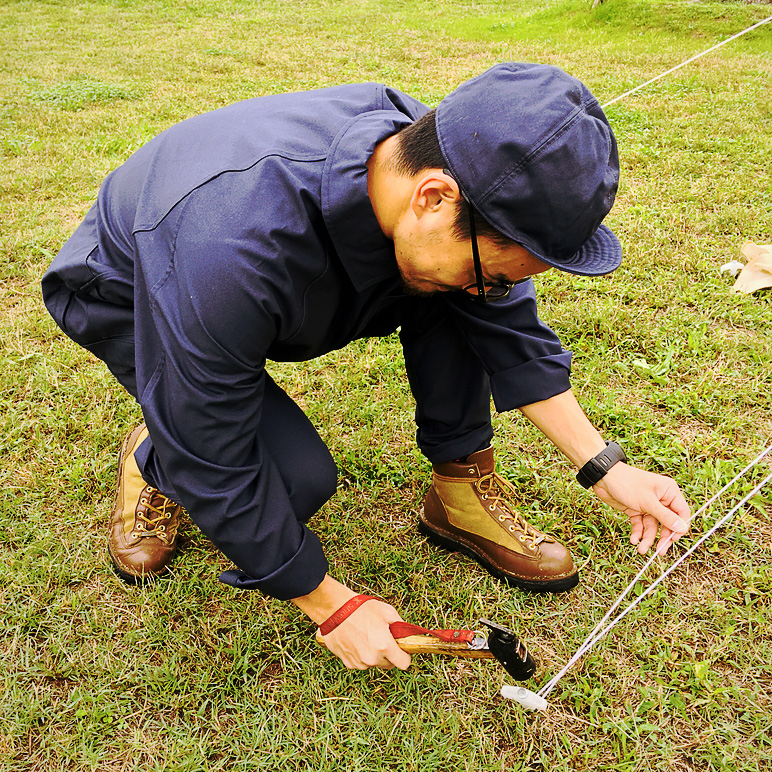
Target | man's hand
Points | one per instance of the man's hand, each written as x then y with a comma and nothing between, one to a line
651,501
362,640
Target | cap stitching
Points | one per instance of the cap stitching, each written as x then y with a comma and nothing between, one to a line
578,111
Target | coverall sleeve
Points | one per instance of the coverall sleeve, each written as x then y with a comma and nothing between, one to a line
208,322
524,358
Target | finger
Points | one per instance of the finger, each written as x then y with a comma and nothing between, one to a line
392,653
668,518
351,663
650,527
636,530
399,658
385,660
387,654
349,659
383,657
677,503
666,539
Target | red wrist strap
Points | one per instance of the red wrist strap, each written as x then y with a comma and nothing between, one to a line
404,629
343,613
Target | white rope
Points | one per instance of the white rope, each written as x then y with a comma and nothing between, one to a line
688,61
553,682
599,631
583,647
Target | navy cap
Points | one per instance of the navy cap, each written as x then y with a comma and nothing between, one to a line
532,150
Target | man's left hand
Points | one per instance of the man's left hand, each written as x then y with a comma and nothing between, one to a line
653,503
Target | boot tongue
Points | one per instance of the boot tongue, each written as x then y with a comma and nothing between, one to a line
483,459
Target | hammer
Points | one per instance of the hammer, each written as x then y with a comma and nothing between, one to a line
500,644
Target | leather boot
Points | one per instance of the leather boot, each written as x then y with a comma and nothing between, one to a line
469,508
143,529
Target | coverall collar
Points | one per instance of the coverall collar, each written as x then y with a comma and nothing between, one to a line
366,253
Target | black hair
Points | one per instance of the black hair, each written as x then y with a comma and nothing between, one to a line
418,149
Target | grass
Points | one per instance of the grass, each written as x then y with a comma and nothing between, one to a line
189,675
78,94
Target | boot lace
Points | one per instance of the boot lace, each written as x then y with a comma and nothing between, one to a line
157,516
495,489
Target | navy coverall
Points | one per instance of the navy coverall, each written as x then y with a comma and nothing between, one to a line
246,234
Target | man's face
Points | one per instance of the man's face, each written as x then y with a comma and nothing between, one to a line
429,255
433,260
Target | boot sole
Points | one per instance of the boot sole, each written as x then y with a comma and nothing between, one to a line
562,584
133,579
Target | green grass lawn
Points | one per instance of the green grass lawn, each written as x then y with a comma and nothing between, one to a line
189,675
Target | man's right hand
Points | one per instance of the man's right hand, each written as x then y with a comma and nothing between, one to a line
363,640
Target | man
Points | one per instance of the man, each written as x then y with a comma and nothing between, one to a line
287,226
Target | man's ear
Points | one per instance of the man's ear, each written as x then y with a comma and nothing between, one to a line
435,193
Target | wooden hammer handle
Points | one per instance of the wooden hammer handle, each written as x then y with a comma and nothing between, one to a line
428,644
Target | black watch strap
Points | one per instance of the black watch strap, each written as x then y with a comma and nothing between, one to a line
595,469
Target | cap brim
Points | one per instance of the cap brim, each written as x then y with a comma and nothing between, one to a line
599,255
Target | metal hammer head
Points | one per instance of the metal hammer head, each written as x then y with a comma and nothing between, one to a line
510,651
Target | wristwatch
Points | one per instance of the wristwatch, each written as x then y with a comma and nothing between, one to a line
596,468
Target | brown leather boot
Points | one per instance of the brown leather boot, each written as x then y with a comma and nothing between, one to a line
468,508
142,538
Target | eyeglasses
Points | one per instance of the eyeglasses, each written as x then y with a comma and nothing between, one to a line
484,292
